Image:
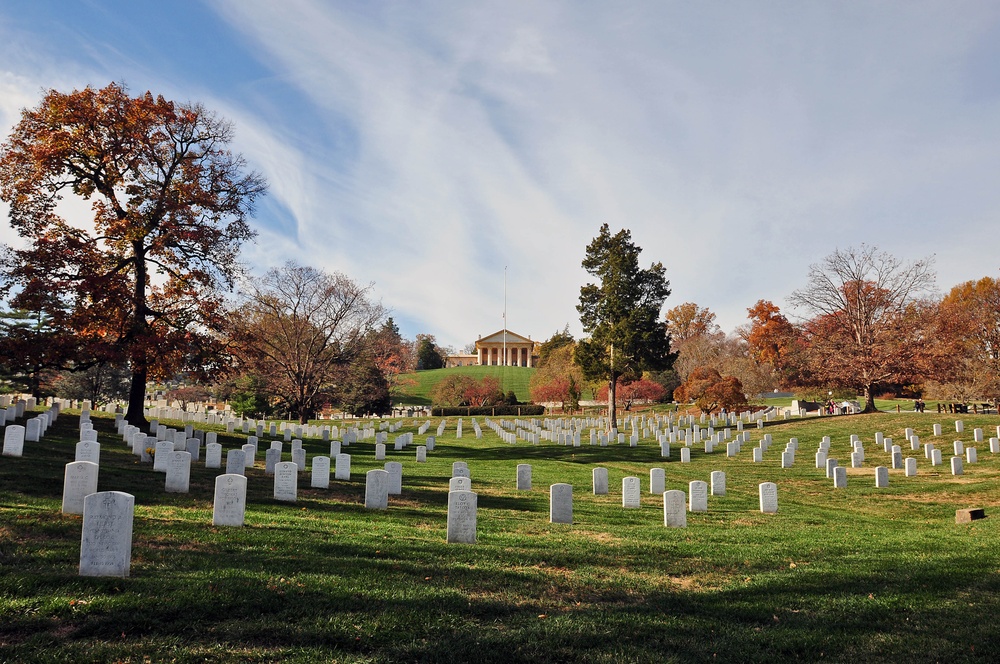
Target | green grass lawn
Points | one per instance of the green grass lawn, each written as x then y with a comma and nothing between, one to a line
855,574
415,388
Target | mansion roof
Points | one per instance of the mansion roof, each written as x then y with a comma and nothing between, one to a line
500,336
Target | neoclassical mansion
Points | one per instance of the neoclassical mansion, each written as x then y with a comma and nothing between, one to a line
521,351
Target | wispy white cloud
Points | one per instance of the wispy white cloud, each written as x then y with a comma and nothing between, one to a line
425,146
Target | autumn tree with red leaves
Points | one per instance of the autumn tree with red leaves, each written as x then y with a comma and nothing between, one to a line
559,380
391,353
865,330
627,394
696,338
170,205
463,390
687,321
709,391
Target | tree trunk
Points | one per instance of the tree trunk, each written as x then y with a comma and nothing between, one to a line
612,413
139,359
137,399
869,400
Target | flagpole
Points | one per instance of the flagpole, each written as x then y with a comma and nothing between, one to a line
503,371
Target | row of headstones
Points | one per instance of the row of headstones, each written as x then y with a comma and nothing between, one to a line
16,435
534,431
674,501
106,542
12,412
462,501
909,465
573,437
881,472
106,539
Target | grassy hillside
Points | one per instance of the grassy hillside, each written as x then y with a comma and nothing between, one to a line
846,575
416,387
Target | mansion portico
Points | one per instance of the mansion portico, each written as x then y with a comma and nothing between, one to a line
520,350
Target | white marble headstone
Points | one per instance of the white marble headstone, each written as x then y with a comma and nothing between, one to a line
768,493
320,478
79,481
286,481
631,492
674,512
13,440
229,506
718,479
657,481
462,517
236,462
213,455
697,496
342,469
106,542
524,477
561,503
376,489
395,470
178,478
88,451
600,478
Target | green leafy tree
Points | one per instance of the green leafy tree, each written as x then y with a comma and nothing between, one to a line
248,396
552,344
621,314
31,350
428,354
362,388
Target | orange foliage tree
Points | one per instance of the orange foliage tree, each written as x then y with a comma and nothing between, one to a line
965,341
170,203
300,328
770,336
688,320
709,391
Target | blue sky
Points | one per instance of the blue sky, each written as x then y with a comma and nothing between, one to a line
424,146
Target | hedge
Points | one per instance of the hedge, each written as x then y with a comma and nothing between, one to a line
491,411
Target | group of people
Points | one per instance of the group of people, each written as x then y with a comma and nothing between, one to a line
918,406
835,409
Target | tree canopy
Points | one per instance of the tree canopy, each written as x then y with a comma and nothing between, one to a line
428,353
864,329
300,328
170,206
621,313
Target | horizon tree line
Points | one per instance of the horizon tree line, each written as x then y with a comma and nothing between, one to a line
141,294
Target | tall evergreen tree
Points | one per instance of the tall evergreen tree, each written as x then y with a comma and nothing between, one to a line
621,314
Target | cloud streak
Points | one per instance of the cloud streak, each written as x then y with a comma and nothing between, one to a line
425,146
